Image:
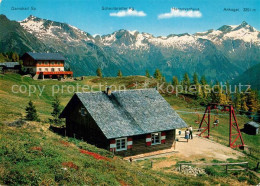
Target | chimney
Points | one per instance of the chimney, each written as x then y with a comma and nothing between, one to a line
108,91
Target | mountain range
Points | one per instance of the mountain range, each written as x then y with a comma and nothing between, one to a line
249,77
221,54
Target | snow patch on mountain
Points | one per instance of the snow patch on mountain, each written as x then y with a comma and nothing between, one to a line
180,42
133,32
108,40
46,30
242,32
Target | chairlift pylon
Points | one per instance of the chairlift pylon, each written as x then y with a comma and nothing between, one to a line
233,124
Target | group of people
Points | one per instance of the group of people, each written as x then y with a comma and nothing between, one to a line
188,133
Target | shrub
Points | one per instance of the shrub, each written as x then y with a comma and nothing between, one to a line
242,178
56,111
211,171
31,113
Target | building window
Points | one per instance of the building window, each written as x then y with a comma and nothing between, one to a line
40,69
52,69
46,69
46,62
156,138
121,144
83,111
58,69
52,62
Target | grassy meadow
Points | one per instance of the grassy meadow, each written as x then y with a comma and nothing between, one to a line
13,101
32,154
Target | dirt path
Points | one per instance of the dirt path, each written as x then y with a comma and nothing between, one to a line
196,149
203,148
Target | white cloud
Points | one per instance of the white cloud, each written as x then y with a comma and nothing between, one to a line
175,12
129,12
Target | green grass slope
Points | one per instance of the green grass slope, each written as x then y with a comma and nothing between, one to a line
13,101
15,38
12,104
32,154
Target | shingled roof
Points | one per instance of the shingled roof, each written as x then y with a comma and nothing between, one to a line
45,56
253,124
131,112
10,64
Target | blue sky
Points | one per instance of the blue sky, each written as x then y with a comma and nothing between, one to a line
89,16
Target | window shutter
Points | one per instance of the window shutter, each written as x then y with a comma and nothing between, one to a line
163,137
112,145
148,140
129,143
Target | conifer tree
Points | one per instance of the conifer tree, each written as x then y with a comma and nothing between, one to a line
56,111
251,101
175,81
31,113
203,83
157,74
147,74
186,81
203,80
216,93
99,72
119,73
195,79
196,86
15,57
163,79
243,108
221,96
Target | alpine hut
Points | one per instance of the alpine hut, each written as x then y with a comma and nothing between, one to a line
252,128
126,122
45,65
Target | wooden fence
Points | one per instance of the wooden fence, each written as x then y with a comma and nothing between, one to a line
219,164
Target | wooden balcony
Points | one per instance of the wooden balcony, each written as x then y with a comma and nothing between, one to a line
49,65
56,73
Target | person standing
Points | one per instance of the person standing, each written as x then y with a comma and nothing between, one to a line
187,133
190,135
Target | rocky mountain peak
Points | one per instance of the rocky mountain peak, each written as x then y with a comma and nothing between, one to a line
229,47
244,23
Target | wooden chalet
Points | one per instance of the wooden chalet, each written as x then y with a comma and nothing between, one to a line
45,65
125,122
13,67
